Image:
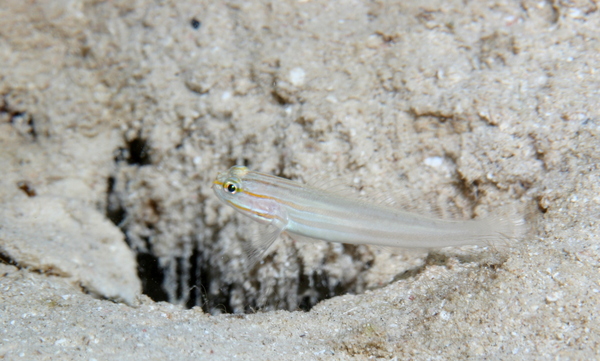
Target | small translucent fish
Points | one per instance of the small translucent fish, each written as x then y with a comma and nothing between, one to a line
305,212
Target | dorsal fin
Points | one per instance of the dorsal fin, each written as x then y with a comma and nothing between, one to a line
328,183
399,196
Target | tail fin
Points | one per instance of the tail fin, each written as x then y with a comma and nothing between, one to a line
501,230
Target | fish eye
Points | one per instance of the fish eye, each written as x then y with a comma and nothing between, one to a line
230,187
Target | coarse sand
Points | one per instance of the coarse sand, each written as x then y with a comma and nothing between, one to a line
115,117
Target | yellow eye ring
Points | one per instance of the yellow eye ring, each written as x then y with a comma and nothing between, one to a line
230,187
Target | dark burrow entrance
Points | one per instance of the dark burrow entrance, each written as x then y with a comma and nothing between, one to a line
196,280
190,280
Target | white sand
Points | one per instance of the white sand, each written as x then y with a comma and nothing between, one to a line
465,109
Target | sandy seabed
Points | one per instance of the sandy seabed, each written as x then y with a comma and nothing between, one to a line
115,116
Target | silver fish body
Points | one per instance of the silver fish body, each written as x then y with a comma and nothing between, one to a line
301,210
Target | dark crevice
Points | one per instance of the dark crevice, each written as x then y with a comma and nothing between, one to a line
6,259
200,278
279,99
195,23
32,130
315,288
180,271
150,273
152,276
21,119
27,188
114,210
138,152
197,281
203,278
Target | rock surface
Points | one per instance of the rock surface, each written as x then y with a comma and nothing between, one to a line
125,111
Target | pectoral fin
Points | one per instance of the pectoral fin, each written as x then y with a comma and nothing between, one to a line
260,243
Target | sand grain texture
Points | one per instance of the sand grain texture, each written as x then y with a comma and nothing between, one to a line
124,112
